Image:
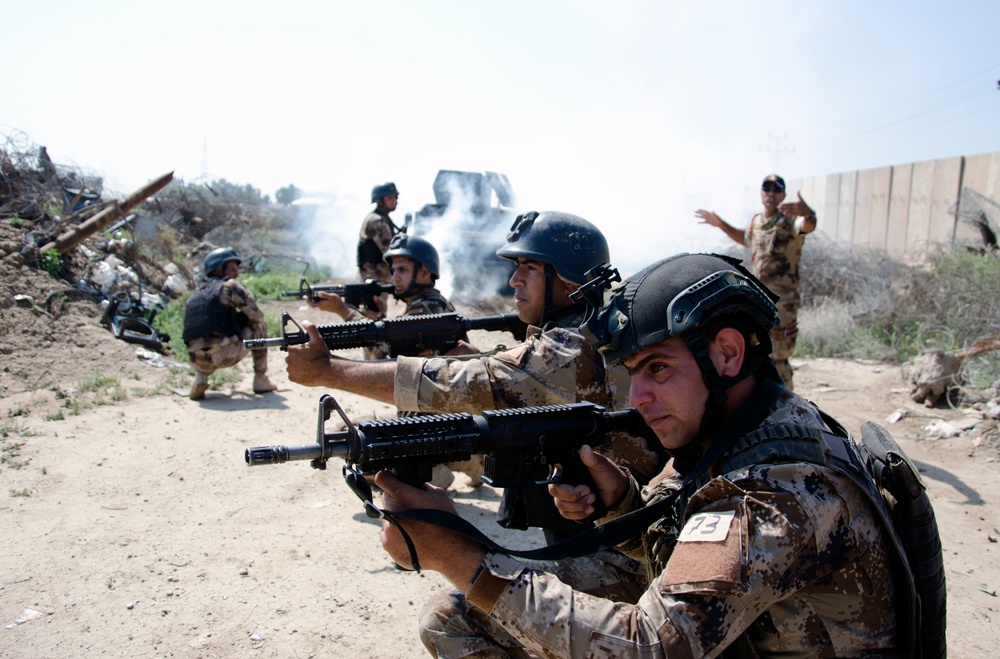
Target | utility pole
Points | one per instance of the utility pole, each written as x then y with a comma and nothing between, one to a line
204,157
777,150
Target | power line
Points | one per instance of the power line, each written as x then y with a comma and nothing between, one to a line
927,111
777,150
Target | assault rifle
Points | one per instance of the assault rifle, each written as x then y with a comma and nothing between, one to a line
406,335
525,448
355,295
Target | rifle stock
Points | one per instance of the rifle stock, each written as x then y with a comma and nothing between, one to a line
406,335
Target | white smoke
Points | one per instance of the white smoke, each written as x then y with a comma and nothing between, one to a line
467,225
329,229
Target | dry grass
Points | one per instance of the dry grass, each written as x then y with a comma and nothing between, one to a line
861,304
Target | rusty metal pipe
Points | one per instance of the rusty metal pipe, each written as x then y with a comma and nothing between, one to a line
87,228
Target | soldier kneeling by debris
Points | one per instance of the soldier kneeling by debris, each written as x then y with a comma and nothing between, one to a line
219,316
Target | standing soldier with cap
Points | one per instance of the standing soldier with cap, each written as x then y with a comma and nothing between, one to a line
775,238
377,230
219,315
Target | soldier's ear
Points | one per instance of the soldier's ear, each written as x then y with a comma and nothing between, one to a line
728,350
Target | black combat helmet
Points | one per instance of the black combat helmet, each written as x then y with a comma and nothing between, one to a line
570,244
678,297
416,248
380,191
218,258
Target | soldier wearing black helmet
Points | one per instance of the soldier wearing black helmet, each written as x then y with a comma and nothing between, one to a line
415,267
218,317
377,231
763,545
554,365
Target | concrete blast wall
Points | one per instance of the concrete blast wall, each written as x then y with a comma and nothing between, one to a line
908,211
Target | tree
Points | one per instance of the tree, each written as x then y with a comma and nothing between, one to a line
288,194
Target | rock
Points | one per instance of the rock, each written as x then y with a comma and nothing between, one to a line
931,374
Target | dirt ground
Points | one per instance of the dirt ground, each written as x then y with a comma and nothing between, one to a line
132,526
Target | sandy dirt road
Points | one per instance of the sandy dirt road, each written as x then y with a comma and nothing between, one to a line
136,530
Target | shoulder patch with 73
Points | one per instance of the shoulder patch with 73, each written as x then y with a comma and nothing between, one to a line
707,527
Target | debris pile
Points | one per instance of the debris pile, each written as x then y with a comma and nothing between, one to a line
77,263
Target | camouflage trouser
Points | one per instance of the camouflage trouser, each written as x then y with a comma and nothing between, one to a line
782,347
783,339
226,352
450,627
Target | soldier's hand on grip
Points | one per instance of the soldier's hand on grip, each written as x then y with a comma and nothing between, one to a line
577,501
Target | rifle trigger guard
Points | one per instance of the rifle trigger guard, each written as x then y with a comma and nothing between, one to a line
554,477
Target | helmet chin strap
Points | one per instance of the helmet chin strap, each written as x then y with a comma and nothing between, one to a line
548,310
717,384
413,287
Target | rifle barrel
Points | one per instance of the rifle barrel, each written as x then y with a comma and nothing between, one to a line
256,344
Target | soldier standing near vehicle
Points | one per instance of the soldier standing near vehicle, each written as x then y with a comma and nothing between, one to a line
377,231
764,545
775,238
218,317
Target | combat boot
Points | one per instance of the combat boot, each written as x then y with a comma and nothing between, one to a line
261,385
199,386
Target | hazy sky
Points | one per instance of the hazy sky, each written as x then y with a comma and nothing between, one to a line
622,112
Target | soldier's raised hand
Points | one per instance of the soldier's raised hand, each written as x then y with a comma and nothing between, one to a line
709,218
797,208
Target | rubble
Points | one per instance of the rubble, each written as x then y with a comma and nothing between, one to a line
933,373
76,268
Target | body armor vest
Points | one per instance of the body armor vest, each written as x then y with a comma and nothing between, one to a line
206,315
880,469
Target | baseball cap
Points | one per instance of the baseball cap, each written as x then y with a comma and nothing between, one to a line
777,180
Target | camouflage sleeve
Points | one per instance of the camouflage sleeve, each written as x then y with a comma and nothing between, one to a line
795,541
376,228
235,295
549,368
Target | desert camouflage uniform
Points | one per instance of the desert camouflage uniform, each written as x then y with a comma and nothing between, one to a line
210,353
376,231
554,366
775,252
798,566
